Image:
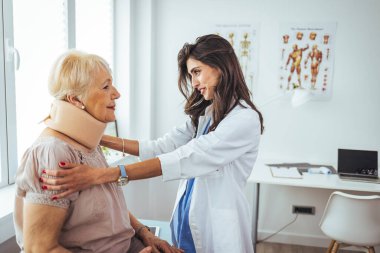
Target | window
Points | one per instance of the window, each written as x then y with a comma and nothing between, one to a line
35,35
94,29
94,33
38,44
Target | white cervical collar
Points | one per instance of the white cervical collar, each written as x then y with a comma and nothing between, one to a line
75,123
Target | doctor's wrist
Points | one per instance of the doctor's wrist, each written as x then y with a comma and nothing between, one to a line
107,175
106,141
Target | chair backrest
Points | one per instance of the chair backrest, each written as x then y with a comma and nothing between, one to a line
352,219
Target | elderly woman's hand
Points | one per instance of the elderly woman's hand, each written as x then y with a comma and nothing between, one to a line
146,250
157,244
73,178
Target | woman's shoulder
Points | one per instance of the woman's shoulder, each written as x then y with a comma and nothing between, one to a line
242,118
52,143
50,148
244,110
53,148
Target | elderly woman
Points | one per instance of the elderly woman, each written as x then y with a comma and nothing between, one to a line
92,220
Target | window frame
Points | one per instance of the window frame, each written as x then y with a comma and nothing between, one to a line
70,12
3,119
10,101
8,131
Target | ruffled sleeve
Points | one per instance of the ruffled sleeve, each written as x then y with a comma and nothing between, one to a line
43,155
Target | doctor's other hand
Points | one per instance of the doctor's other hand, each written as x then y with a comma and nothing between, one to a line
156,243
73,178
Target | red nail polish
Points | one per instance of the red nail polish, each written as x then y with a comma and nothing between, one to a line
43,171
54,198
41,180
44,187
62,163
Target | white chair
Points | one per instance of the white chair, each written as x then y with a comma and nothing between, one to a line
352,220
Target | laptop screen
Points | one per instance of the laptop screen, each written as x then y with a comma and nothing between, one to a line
359,162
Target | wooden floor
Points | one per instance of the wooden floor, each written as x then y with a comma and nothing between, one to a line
9,246
286,248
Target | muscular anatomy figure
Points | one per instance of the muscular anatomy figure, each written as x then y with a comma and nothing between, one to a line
296,57
315,56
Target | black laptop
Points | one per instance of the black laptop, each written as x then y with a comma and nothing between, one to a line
357,164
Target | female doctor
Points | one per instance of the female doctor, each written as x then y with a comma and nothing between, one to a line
212,153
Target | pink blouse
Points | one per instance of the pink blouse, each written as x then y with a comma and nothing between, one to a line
97,218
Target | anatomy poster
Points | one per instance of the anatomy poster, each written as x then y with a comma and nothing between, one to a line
307,57
243,39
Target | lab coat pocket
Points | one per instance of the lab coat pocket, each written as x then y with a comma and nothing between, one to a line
225,230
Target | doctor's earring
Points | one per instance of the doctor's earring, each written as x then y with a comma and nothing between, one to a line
82,107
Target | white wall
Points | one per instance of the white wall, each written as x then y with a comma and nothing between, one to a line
311,133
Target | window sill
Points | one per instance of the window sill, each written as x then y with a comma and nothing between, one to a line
7,200
6,209
112,156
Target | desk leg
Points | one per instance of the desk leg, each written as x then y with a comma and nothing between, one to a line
255,214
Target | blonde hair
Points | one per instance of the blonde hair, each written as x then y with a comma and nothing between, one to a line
73,73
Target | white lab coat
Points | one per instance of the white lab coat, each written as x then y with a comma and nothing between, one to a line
221,162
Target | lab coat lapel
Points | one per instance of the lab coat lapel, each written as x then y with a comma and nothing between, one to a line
203,120
201,125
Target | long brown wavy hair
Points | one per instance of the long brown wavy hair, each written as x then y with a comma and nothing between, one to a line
218,53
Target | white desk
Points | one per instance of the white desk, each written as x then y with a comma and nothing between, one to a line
261,175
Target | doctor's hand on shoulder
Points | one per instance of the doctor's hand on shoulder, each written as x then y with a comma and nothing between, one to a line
72,178
76,177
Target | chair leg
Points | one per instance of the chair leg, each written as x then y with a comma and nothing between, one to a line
371,250
330,246
335,247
